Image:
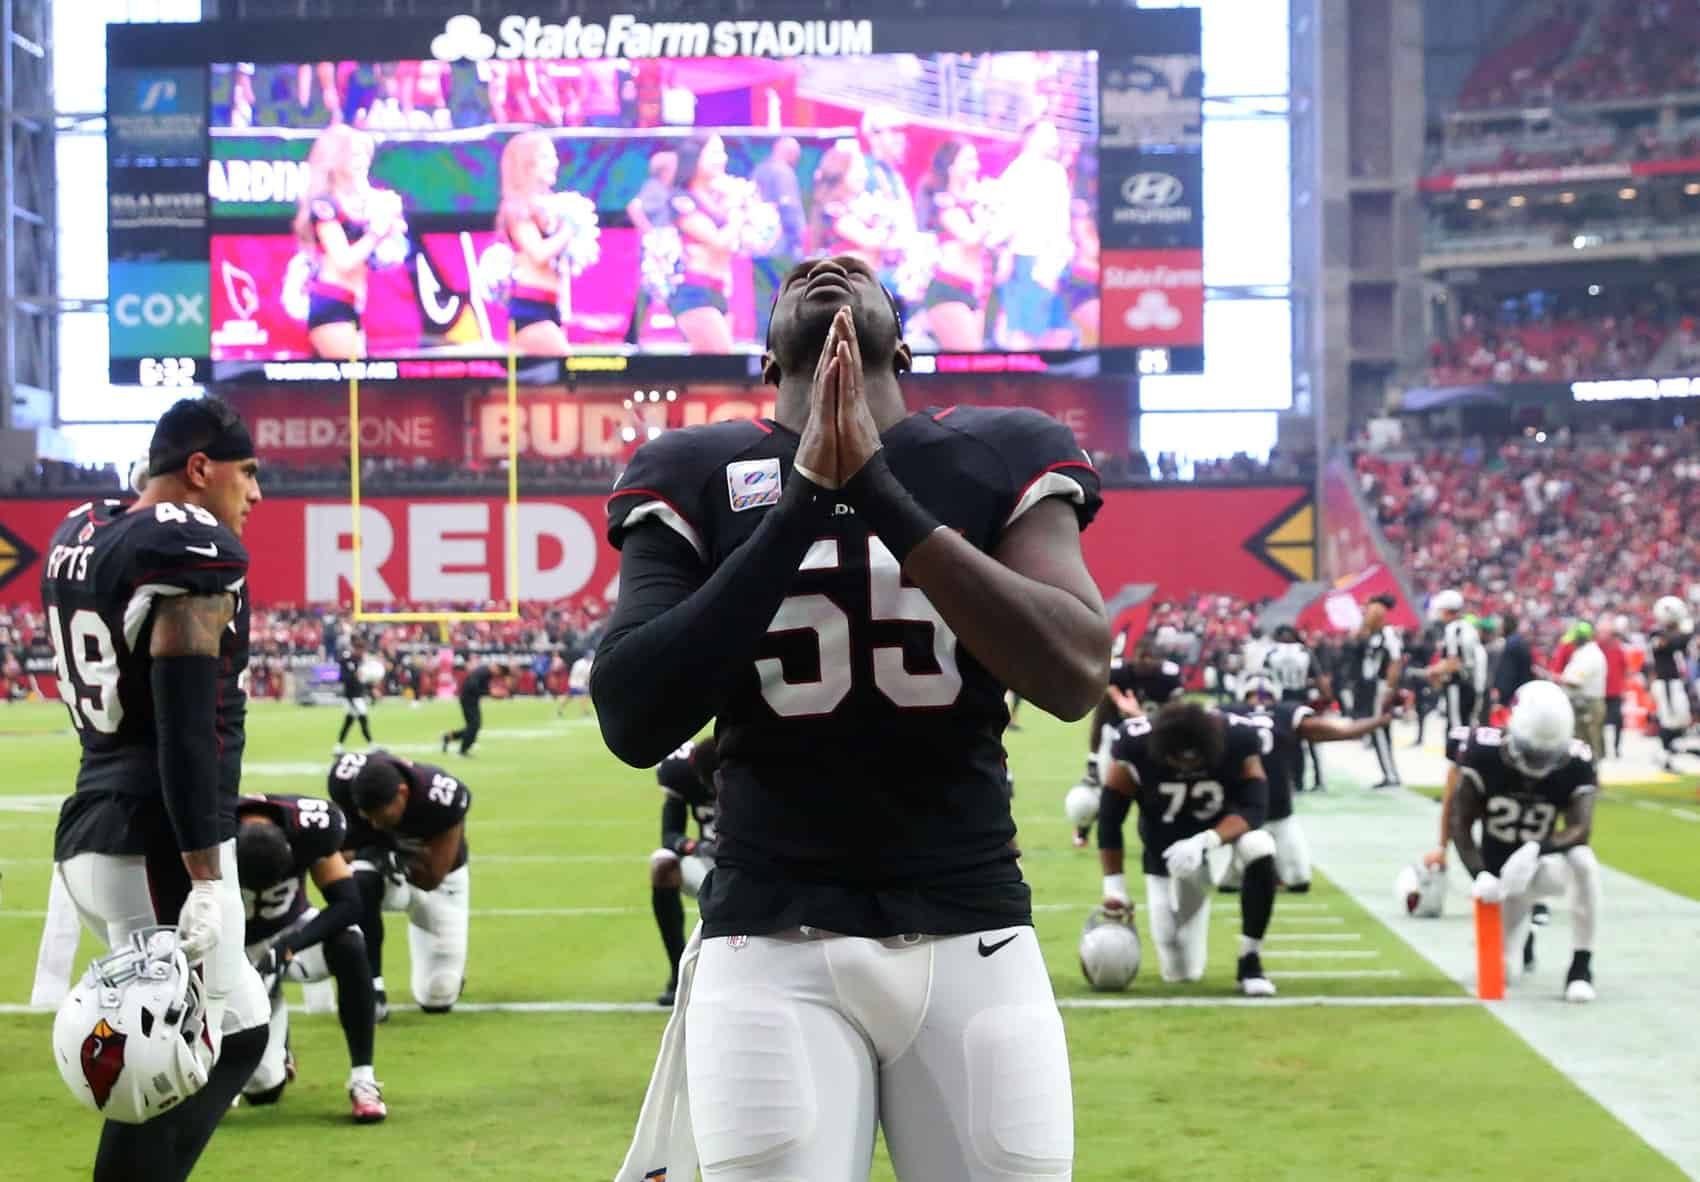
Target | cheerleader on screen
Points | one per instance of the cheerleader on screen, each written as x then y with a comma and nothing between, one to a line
530,219
343,222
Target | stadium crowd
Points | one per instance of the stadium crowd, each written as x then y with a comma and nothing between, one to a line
1546,338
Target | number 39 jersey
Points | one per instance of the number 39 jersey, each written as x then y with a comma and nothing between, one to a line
1174,806
436,803
1516,808
316,829
861,749
105,572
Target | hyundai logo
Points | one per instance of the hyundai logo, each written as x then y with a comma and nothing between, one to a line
1151,190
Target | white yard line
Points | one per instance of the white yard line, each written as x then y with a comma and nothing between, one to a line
1636,1050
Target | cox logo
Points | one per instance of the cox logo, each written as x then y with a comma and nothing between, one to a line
159,309
1151,190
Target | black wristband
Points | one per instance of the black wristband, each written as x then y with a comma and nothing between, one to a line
185,704
882,501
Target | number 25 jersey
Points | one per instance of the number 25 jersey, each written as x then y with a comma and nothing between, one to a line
861,748
105,572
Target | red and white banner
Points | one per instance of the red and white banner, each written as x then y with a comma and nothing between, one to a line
1570,174
1153,298
311,427
455,550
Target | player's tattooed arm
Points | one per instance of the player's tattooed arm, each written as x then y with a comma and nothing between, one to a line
1030,612
1467,808
183,643
190,625
1578,825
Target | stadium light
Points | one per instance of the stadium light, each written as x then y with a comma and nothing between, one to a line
628,434
655,433
1627,193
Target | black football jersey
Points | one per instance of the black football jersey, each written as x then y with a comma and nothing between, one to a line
1153,688
1283,750
1667,656
861,750
1517,809
436,802
316,829
348,669
684,791
476,684
104,572
1175,806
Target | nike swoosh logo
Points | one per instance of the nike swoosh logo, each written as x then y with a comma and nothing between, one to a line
210,549
987,949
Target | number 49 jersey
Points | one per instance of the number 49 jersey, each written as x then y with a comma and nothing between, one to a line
862,744
105,572
1516,808
316,829
1174,806
436,802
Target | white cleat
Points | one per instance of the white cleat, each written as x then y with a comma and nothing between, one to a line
1579,991
1252,982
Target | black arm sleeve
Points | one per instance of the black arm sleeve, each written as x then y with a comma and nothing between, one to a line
185,702
342,910
1113,809
675,817
675,639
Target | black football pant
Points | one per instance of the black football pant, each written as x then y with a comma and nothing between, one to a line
473,713
1367,700
1460,706
1614,723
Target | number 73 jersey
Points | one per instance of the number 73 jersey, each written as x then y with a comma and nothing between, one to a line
860,723
1516,808
105,572
1174,806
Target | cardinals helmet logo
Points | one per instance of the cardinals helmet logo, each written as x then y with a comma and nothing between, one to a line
103,1061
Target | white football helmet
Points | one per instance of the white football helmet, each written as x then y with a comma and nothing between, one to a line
1258,687
371,671
1447,601
131,1039
1421,891
1109,950
1670,611
1537,739
1081,805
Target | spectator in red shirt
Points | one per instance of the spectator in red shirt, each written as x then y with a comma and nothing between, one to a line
1617,674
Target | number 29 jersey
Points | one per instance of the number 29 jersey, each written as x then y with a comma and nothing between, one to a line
862,775
1174,806
105,571
1516,808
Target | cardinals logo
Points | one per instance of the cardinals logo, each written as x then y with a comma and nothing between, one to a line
103,1061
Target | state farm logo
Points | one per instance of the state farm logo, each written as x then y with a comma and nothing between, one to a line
1153,199
1152,310
1132,278
463,37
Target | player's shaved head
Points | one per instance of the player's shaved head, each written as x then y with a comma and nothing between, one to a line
263,856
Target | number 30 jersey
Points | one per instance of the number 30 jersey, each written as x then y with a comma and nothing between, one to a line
862,781
316,830
1174,806
1516,808
105,572
436,803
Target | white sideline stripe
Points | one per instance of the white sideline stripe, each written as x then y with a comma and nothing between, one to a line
1336,936
1444,1001
1668,810
1319,954
1330,975
1227,915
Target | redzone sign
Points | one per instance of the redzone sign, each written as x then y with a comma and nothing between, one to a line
1153,297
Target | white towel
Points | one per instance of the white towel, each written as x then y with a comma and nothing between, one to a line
59,935
663,1145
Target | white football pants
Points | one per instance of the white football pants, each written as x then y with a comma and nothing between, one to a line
437,922
112,896
1178,910
1292,851
1670,705
307,966
1576,872
798,1044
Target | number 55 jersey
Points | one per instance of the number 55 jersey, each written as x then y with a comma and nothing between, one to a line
105,572
862,779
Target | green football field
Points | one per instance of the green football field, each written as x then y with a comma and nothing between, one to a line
561,833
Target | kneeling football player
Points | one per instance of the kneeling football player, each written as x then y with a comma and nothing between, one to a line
407,828
282,840
682,861
1519,783
1199,782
